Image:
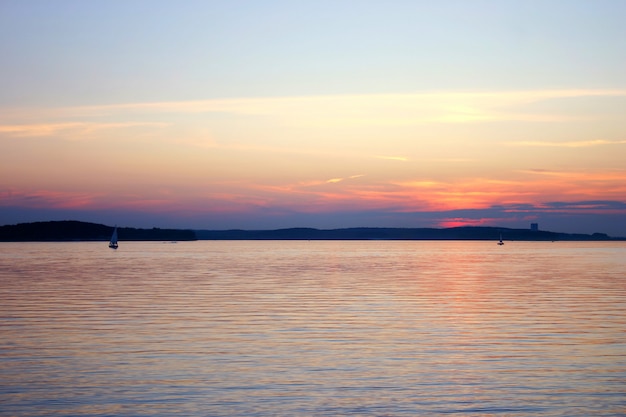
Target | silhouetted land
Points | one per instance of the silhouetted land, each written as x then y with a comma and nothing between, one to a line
81,231
373,233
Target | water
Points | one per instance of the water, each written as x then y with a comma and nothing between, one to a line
276,328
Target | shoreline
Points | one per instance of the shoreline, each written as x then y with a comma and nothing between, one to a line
72,231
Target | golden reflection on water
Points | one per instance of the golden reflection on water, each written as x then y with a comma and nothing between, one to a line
313,328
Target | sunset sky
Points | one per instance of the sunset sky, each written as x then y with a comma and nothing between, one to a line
326,114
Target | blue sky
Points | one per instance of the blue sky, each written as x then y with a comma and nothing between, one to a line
101,52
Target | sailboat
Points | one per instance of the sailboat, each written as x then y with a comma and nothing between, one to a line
113,242
500,242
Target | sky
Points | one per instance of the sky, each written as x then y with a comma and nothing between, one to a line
327,114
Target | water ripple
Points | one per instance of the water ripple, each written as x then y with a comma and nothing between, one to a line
313,328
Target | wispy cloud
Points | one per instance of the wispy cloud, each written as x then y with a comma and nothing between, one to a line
70,130
593,206
571,144
392,158
617,176
346,110
47,199
378,109
456,103
335,180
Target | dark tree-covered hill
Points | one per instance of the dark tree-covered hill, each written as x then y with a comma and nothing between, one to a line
373,233
70,230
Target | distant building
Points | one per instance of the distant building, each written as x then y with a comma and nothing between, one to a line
534,227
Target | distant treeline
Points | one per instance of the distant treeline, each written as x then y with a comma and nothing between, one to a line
81,231
373,233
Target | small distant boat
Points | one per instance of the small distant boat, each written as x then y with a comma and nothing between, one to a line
113,242
500,242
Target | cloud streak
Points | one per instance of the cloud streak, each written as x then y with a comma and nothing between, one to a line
70,130
48,199
571,144
392,158
336,180
349,110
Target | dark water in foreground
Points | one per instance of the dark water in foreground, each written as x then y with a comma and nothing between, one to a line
374,328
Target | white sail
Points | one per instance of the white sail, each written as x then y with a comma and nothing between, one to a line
113,242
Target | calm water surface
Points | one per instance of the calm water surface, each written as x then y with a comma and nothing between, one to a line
275,328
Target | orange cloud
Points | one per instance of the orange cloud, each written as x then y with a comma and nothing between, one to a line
531,187
475,193
70,130
48,199
435,195
335,180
